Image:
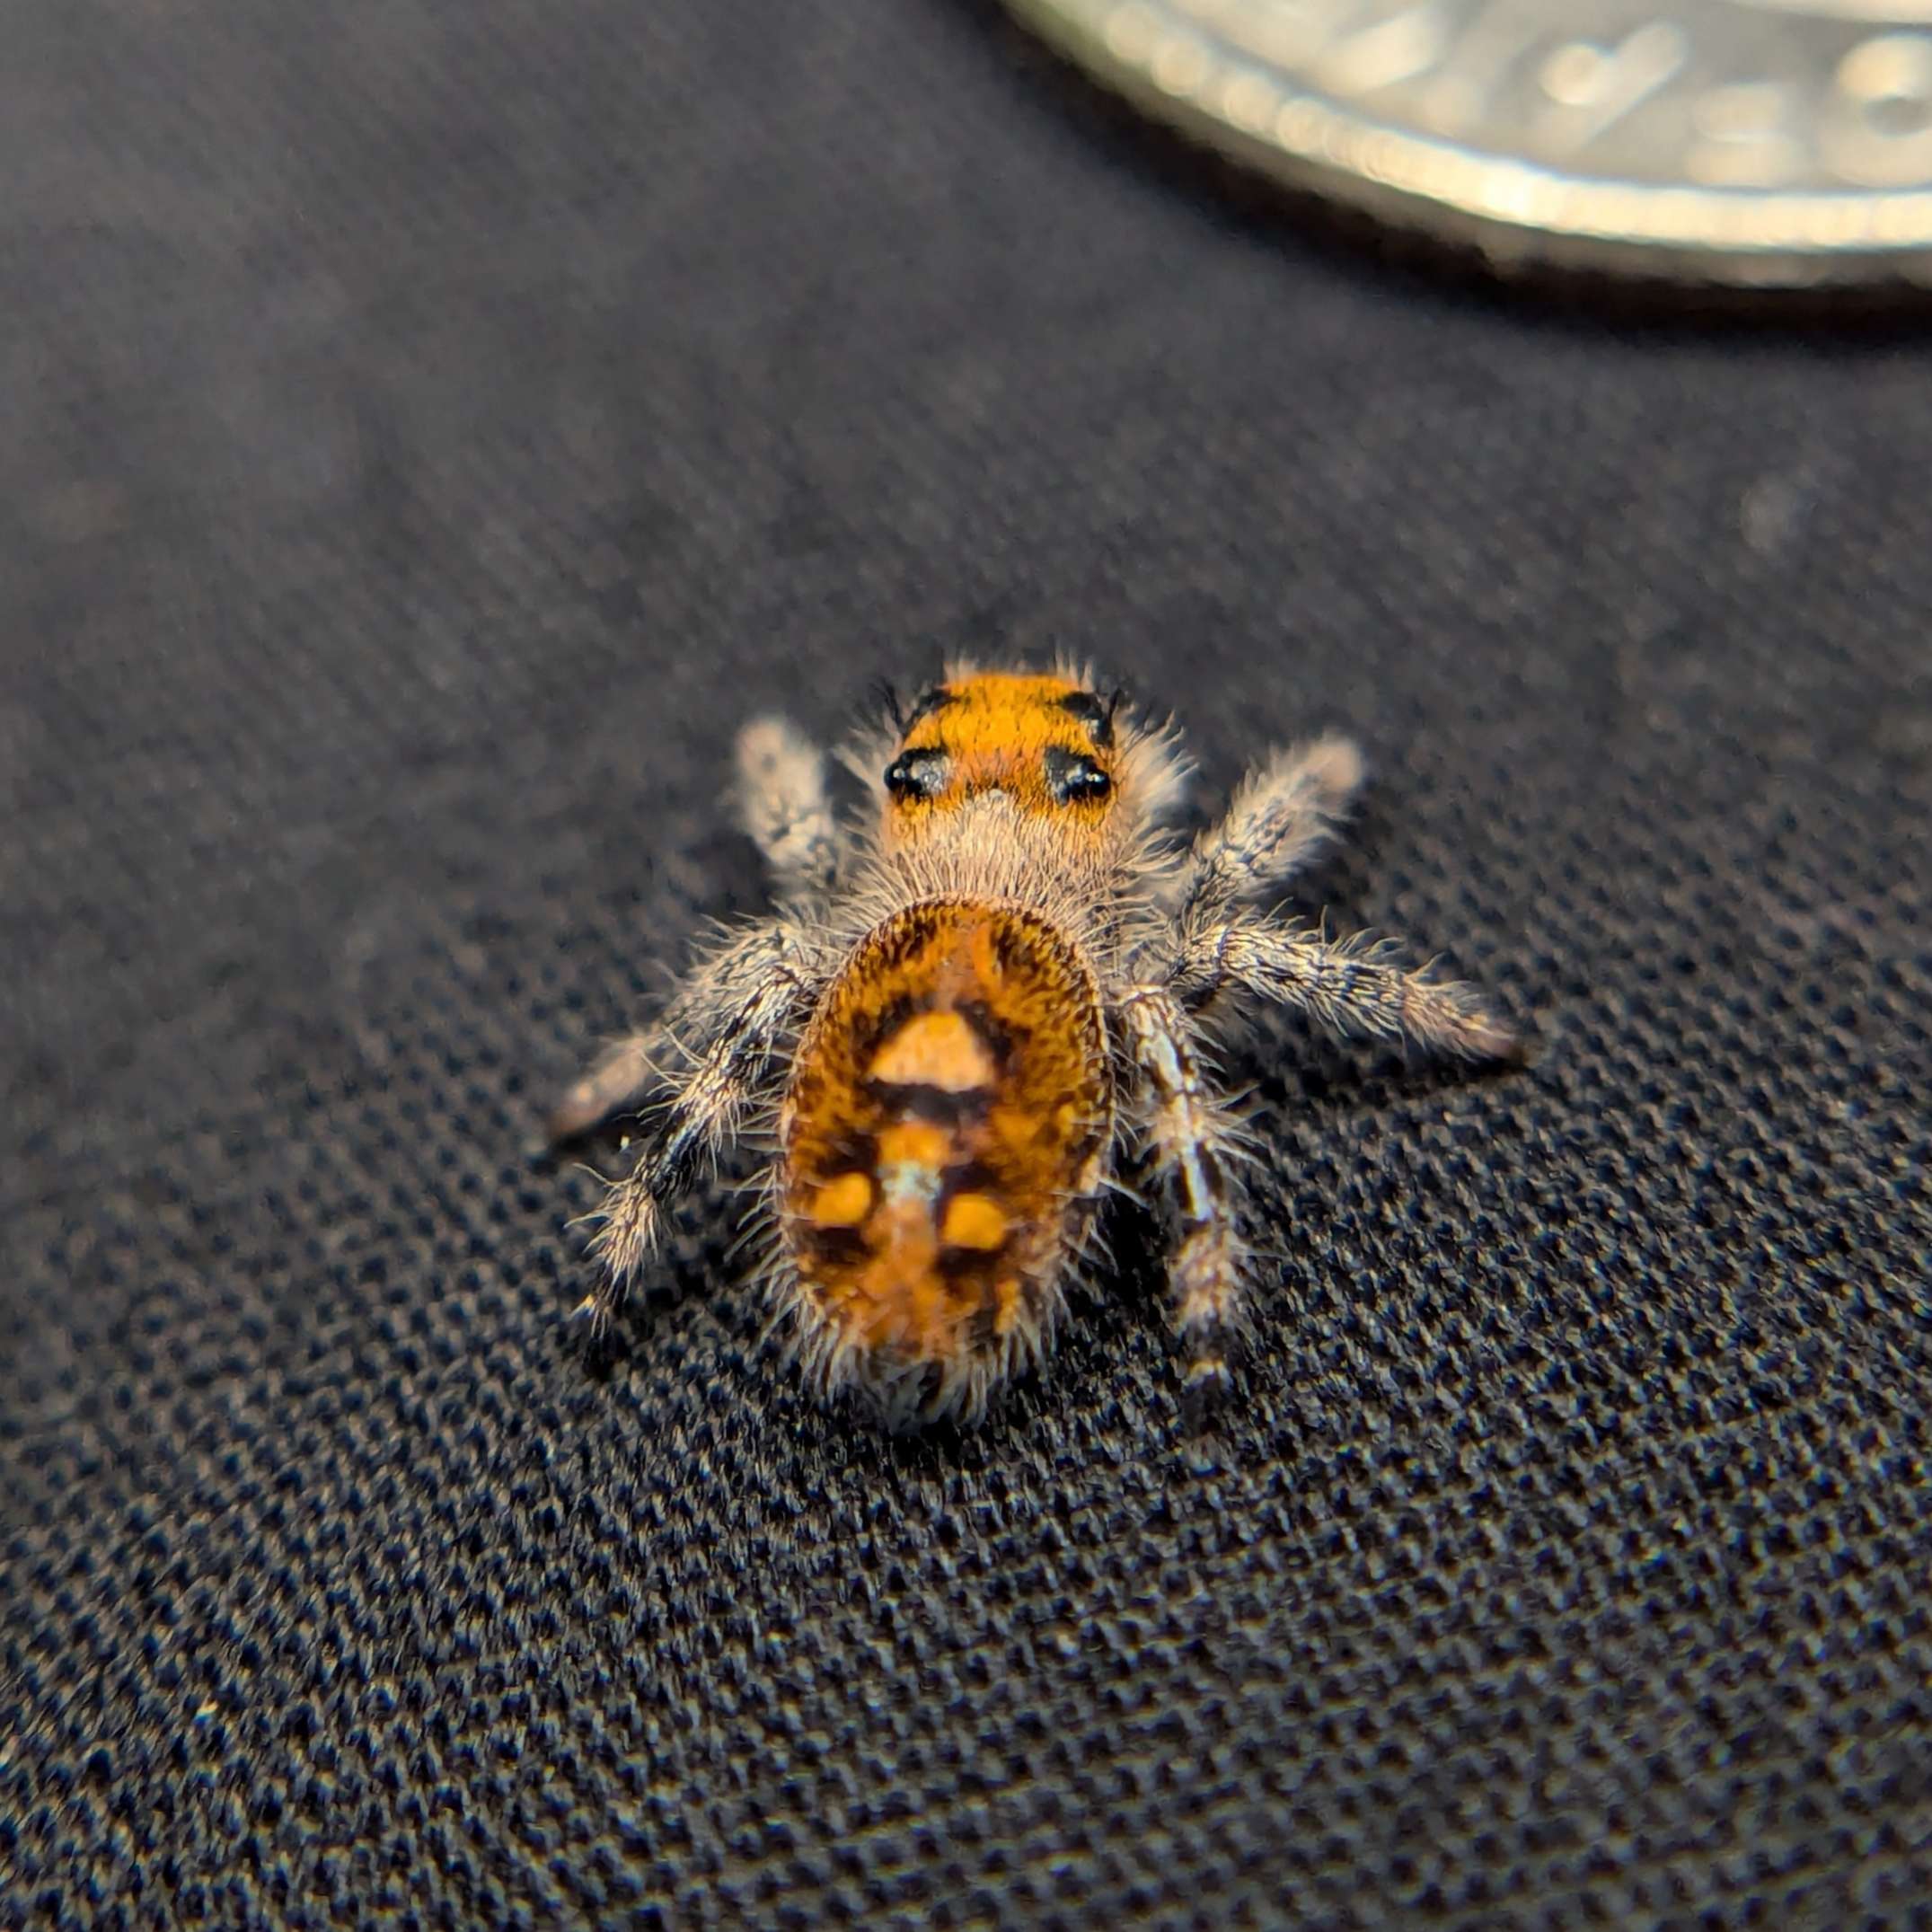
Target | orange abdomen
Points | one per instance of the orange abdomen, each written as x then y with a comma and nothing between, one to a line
949,1111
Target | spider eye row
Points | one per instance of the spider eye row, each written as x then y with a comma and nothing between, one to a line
1072,778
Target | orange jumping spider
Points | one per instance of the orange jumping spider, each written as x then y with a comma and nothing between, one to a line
968,1006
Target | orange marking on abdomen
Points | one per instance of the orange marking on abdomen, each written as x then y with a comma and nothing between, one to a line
957,1068
974,1220
935,1049
842,1202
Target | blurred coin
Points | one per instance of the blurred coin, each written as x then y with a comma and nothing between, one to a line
1769,141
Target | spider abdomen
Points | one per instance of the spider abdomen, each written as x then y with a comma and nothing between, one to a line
946,1122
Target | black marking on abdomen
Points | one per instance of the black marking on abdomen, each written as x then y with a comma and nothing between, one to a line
852,1150
969,1177
980,1265
940,1106
832,1248
987,1030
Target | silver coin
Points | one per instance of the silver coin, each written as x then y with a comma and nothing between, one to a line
1767,142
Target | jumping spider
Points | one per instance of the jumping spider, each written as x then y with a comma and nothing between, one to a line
967,1009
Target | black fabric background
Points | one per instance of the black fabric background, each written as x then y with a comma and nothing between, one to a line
430,427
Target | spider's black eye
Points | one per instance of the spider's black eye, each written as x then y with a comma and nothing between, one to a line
1074,779
916,774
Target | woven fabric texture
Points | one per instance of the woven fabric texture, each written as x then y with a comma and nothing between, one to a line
431,425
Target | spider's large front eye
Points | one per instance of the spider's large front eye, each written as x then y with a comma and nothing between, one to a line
916,774
1075,780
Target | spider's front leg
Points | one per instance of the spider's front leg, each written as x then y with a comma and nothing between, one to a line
1194,1141
783,805
739,1008
1282,813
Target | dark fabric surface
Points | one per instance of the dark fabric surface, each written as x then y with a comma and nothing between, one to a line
430,427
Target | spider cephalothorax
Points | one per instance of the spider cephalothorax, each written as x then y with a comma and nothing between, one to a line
968,1007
